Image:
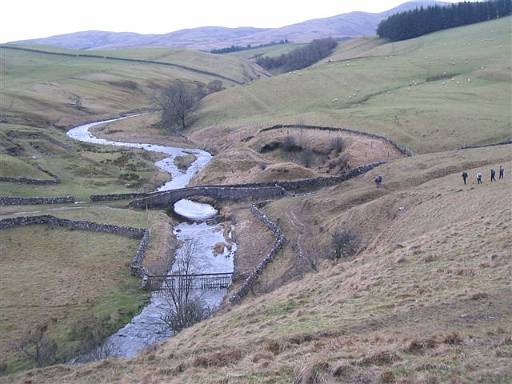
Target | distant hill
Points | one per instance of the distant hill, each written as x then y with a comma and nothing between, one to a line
206,38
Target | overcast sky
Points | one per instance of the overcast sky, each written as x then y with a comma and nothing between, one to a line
25,19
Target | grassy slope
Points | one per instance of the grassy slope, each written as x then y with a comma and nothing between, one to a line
75,274
38,102
47,280
11,166
427,300
270,51
388,92
431,289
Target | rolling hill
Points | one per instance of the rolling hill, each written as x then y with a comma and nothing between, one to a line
425,299
438,92
206,38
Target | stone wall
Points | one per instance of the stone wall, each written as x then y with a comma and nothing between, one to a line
505,142
402,148
118,196
225,192
15,200
136,264
137,233
27,180
276,247
257,191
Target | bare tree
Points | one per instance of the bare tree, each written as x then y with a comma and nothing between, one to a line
37,346
307,157
186,306
345,244
175,102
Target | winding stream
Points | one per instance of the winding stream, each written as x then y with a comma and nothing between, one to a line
147,327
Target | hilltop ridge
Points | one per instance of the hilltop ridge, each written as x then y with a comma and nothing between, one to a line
209,37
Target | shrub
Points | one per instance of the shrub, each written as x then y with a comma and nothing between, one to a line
290,144
307,158
337,145
345,244
37,346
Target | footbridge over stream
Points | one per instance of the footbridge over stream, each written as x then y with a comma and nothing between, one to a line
256,191
193,281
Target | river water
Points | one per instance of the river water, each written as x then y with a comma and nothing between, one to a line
214,247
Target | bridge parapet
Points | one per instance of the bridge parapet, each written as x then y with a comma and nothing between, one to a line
167,198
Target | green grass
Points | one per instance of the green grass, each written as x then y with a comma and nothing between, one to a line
39,103
82,169
270,51
230,67
398,91
13,167
57,276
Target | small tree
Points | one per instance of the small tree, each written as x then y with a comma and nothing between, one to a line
307,157
337,144
38,347
345,244
185,307
175,102
214,86
77,102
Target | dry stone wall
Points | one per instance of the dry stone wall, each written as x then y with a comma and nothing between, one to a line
26,180
224,192
15,200
256,191
137,233
402,148
118,196
276,247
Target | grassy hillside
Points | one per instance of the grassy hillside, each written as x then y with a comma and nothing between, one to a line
70,279
53,271
44,94
426,297
437,92
11,166
270,51
425,301
36,81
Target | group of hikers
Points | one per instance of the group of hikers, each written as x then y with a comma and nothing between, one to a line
479,176
465,175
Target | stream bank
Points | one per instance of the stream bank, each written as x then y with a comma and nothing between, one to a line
214,251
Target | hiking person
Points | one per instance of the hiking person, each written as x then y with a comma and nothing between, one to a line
378,180
493,175
464,177
479,178
502,172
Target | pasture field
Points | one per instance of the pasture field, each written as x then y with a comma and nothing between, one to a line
433,93
11,166
56,277
66,278
270,51
42,95
83,169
